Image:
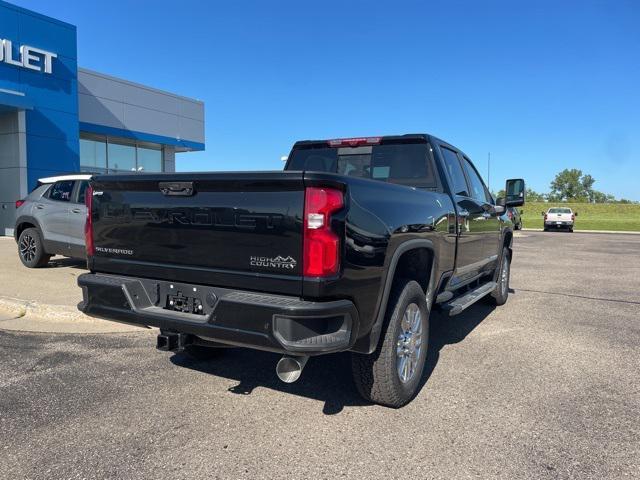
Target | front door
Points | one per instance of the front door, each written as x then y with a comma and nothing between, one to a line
488,225
77,219
471,222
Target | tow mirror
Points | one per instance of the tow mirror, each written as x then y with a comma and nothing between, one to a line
542,213
514,192
575,213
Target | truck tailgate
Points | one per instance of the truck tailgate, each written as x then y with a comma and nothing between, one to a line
239,230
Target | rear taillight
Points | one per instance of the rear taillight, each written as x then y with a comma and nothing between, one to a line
354,142
321,244
88,224
19,203
510,214
573,217
545,217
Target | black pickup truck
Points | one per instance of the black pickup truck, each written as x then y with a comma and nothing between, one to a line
349,248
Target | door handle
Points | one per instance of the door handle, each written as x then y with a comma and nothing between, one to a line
39,206
76,210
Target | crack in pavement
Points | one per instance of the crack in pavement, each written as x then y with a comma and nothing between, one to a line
630,302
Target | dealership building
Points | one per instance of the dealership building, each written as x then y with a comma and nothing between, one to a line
57,118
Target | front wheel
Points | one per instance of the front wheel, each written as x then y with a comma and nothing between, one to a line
501,292
391,375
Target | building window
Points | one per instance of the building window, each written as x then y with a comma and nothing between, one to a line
110,155
149,159
121,157
93,155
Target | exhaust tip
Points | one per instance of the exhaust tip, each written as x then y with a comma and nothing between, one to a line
289,369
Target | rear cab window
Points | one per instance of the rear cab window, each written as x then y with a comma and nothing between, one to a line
409,164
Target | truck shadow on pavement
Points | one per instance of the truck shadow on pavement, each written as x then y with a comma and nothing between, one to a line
326,378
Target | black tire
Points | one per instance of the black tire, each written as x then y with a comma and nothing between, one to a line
500,294
31,249
377,376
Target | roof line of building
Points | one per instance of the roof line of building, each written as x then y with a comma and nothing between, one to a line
138,85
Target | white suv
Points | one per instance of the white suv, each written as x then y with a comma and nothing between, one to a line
50,221
559,218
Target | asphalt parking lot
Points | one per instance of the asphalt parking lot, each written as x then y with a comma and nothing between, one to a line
545,387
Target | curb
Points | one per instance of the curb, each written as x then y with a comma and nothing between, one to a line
25,316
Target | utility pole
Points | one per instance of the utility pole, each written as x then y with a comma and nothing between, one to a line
489,171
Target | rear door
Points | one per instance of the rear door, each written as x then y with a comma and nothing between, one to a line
471,220
52,212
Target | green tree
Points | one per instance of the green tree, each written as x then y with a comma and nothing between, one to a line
533,196
572,185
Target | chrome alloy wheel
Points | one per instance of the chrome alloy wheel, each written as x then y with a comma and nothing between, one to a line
28,248
409,345
504,277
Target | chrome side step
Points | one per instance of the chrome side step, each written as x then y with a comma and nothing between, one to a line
462,302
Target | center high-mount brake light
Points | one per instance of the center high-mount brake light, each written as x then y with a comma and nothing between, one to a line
321,256
88,224
354,142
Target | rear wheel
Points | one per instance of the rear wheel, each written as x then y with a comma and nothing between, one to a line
501,292
31,249
391,375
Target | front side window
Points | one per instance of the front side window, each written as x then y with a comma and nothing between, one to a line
61,191
452,163
477,187
81,191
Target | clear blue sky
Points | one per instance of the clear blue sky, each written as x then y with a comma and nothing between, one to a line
542,85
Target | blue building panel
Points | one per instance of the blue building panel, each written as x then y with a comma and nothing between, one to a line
52,140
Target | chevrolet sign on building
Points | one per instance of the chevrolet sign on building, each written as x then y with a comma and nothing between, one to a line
30,57
57,118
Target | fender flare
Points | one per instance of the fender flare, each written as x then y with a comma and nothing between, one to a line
27,219
414,244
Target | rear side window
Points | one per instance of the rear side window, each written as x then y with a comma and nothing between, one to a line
404,164
61,191
454,169
477,187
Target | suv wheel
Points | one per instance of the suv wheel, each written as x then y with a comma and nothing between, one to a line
392,375
31,249
501,292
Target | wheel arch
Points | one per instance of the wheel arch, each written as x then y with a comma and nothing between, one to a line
23,222
414,259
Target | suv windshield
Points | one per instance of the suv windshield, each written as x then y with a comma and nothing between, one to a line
559,210
405,164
